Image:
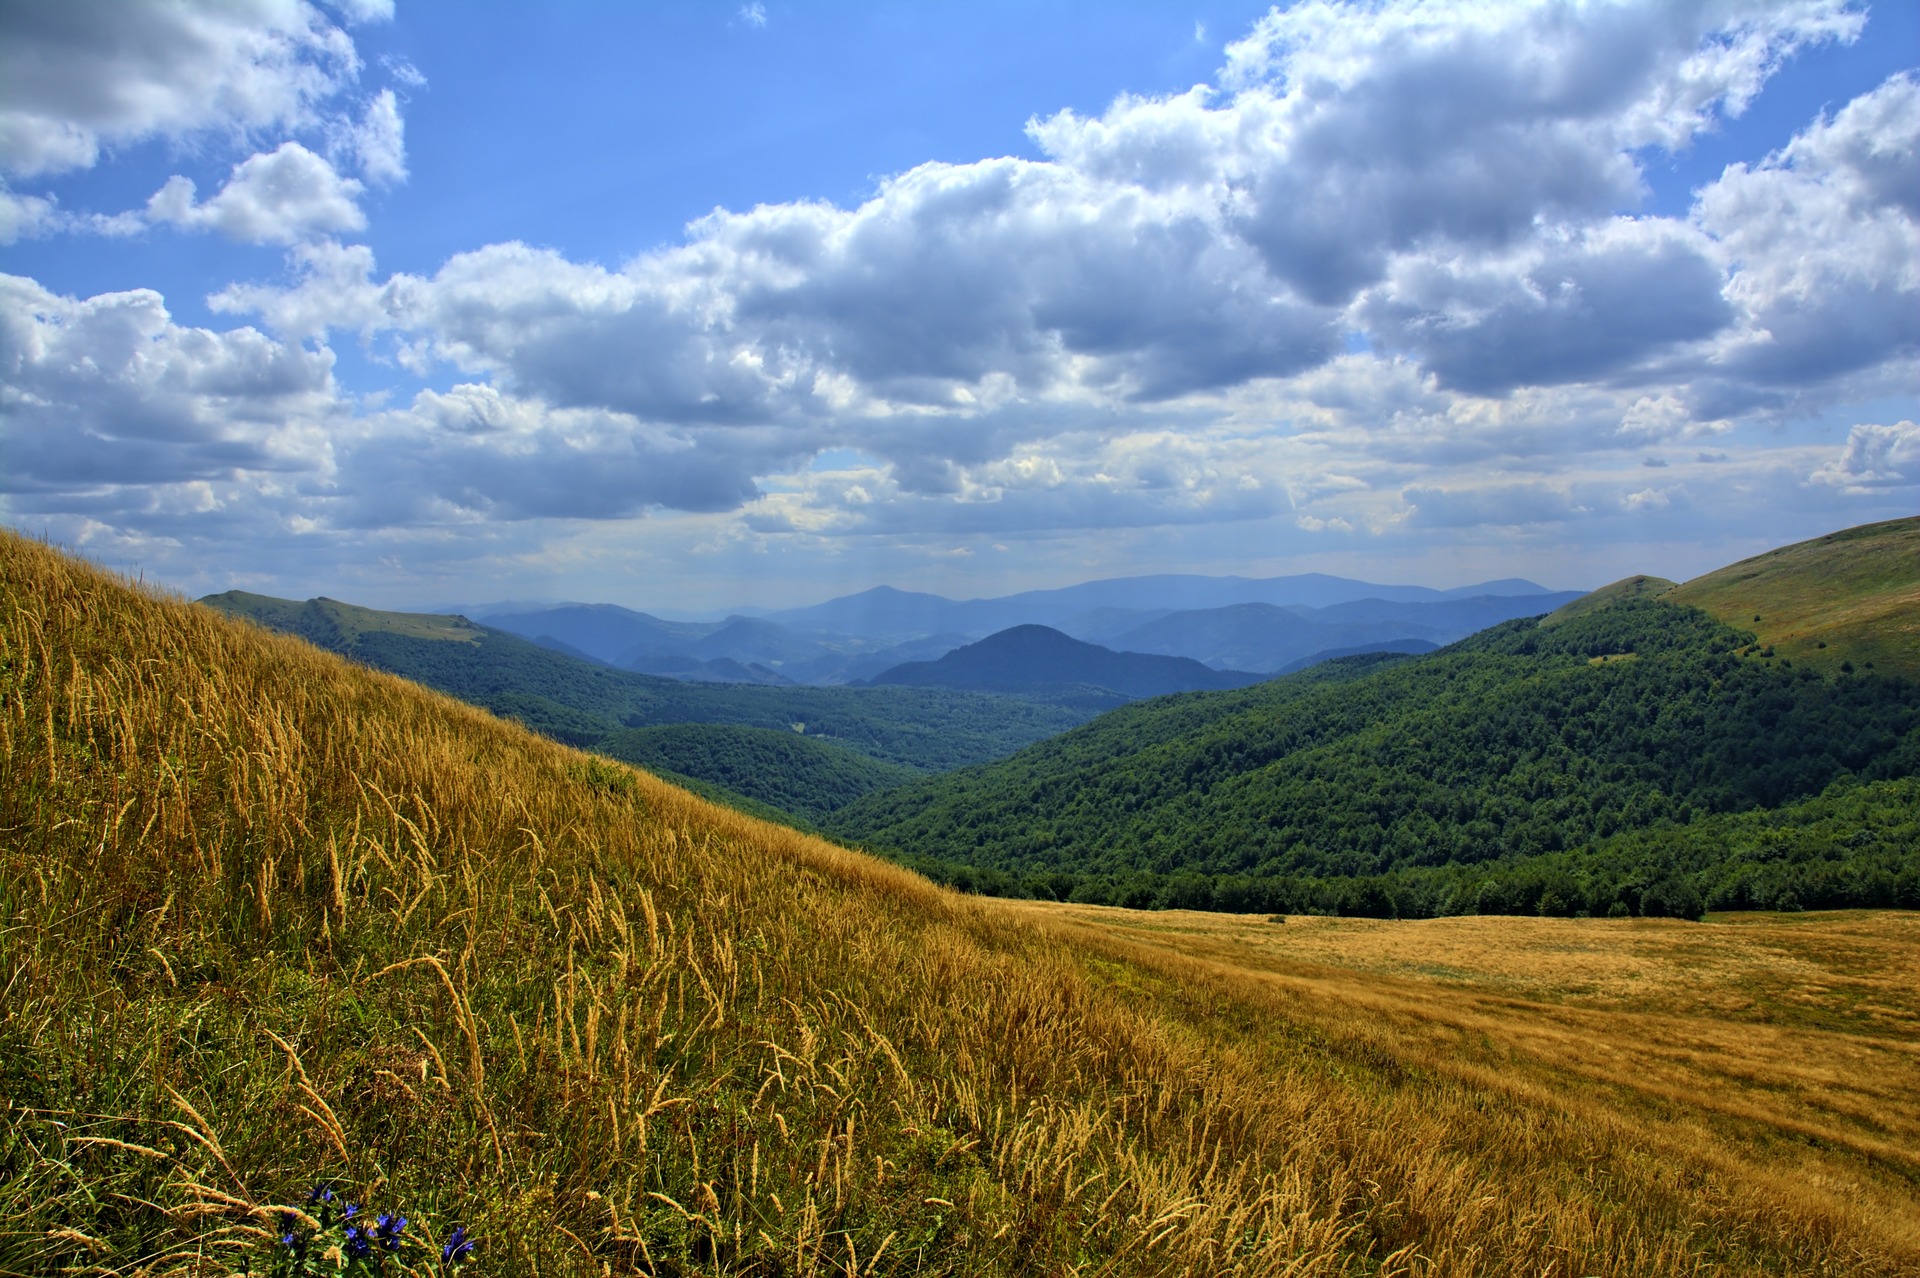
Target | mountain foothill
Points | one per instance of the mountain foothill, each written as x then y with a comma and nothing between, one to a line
1647,749
1747,739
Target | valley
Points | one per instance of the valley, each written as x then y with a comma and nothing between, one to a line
1625,754
1629,753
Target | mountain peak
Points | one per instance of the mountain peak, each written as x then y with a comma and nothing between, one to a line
1039,660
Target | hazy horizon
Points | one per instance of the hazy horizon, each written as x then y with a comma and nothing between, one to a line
704,306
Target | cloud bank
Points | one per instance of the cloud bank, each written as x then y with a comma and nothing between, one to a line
1393,240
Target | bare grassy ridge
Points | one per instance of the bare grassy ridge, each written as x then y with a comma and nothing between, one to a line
265,916
1850,596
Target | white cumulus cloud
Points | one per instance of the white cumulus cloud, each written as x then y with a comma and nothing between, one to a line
279,197
22,217
108,391
80,75
1824,239
379,141
1875,457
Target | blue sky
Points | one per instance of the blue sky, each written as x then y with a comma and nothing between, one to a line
690,305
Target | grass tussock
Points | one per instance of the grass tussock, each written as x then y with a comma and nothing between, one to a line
266,917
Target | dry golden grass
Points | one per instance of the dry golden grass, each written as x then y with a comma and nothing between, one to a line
1783,1048
265,916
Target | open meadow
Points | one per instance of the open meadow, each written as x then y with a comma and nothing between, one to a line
1783,1048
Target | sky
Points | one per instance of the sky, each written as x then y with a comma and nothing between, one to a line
691,305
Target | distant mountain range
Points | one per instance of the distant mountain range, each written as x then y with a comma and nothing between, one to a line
1259,626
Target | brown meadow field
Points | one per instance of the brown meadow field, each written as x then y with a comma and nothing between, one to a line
267,917
1785,1048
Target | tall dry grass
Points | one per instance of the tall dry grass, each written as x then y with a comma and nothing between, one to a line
266,917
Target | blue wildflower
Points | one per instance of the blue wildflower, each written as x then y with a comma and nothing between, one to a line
457,1247
357,1245
388,1230
321,1196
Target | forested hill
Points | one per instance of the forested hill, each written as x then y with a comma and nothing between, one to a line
1041,661
1521,756
582,704
781,769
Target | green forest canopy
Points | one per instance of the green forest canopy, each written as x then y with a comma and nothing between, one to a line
1591,746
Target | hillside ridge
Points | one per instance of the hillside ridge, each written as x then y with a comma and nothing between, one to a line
1852,596
1600,761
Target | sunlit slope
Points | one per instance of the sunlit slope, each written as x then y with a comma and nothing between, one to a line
267,917
330,623
1852,596
1789,1037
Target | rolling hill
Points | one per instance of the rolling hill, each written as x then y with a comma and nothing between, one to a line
1037,661
1623,755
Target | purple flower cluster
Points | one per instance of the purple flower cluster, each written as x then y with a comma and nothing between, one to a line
363,1248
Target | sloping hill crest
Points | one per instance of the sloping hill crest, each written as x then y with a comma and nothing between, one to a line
1850,597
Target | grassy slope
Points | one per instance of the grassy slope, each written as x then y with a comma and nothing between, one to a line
266,916
1851,596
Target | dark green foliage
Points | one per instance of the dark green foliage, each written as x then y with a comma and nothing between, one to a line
1857,846
1485,777
782,769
